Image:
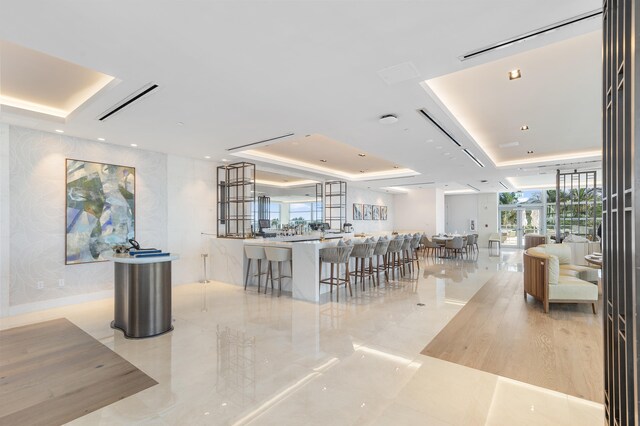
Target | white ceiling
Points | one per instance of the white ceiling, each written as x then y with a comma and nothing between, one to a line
240,72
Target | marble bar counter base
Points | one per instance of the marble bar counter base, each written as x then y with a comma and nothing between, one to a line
229,263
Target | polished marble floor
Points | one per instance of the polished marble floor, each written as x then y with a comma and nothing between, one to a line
239,357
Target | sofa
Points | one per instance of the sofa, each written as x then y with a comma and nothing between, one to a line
551,277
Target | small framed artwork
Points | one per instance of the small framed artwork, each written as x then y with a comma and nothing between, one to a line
375,214
383,212
472,225
368,211
357,211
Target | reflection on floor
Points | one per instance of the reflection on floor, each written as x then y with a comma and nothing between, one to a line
53,372
498,332
239,357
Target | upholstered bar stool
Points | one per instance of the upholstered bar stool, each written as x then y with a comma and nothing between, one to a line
415,247
363,252
277,255
380,252
336,256
406,254
393,255
254,253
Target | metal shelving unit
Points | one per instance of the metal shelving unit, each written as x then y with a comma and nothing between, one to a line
319,205
236,200
335,208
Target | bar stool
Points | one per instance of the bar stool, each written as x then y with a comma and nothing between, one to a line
279,255
407,259
393,255
415,246
380,251
254,253
337,255
361,252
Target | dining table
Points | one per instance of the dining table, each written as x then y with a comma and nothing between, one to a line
441,240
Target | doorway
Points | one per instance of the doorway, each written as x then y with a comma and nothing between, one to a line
516,222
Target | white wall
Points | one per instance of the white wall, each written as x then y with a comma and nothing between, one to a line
483,208
420,210
191,194
173,199
4,218
366,196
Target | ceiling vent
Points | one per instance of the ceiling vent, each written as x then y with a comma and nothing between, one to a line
503,185
132,98
527,36
473,157
259,142
473,187
388,178
426,115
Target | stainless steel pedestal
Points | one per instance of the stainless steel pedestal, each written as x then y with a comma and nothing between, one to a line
142,299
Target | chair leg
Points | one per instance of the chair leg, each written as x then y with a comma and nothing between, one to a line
331,279
279,278
594,308
348,281
362,269
319,276
386,269
246,279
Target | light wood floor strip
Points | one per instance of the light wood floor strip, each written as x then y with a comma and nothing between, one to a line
53,372
499,332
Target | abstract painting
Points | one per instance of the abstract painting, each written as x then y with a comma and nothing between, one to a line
100,209
383,212
376,213
357,211
368,211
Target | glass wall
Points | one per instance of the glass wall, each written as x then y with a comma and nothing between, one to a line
577,217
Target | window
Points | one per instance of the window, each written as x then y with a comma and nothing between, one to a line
274,214
300,213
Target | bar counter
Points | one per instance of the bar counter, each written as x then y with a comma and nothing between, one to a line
228,261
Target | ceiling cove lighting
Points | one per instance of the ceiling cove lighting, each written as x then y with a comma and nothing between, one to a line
527,36
515,74
473,157
503,185
426,115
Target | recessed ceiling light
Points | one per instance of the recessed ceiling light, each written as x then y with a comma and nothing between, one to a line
362,155
225,160
396,167
484,181
134,145
525,127
207,157
59,131
323,161
529,152
515,74
101,139
388,119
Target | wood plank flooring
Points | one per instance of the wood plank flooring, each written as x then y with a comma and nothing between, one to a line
498,332
53,372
